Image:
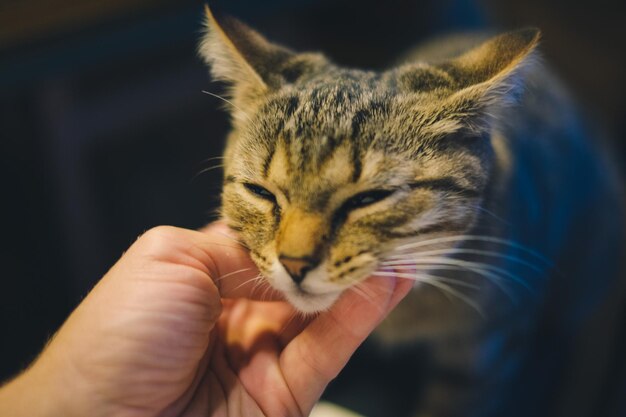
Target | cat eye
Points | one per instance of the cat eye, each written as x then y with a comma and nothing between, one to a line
363,199
366,198
260,192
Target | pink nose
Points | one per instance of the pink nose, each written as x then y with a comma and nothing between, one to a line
296,267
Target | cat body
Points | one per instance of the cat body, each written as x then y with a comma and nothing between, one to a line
470,174
546,338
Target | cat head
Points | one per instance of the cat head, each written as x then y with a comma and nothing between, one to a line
329,171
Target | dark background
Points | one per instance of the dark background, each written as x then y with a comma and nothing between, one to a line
104,129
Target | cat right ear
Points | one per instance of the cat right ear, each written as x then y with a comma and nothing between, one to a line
236,55
242,58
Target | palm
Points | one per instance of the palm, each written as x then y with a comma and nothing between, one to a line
242,366
261,362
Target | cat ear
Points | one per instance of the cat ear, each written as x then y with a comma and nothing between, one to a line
239,56
247,62
474,86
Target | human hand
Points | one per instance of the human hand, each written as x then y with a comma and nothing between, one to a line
162,335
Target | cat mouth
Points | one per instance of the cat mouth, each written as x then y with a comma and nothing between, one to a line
307,302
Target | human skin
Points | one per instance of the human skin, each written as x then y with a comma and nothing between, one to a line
163,335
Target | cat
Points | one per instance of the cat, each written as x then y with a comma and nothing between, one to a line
469,173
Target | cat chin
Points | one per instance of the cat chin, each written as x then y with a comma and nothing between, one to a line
311,303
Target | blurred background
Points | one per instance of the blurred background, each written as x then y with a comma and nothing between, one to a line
105,131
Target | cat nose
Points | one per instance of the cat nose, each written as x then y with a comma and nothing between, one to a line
296,267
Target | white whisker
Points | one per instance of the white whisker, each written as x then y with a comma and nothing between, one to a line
435,282
228,102
213,158
232,273
492,214
257,278
449,239
454,251
205,170
291,318
358,289
265,294
480,268
417,277
239,242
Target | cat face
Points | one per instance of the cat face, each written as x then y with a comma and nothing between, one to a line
329,171
321,193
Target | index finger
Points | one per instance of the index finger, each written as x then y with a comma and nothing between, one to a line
216,252
234,273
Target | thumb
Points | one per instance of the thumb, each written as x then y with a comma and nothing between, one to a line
321,350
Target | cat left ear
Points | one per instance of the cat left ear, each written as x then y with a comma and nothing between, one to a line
472,87
493,71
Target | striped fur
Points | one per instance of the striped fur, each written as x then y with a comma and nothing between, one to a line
459,173
316,135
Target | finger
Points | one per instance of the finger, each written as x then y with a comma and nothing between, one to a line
296,321
403,286
246,320
235,273
250,331
213,251
321,350
227,396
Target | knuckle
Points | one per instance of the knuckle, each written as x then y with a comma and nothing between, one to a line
160,232
315,362
159,241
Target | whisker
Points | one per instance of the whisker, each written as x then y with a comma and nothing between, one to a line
241,244
205,170
265,294
357,289
492,214
257,285
434,281
257,278
226,246
228,102
213,158
232,273
291,318
481,269
417,277
365,286
447,239
453,251
477,267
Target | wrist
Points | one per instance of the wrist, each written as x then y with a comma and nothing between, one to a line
43,390
30,395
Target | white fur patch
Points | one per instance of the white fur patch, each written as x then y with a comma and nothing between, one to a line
310,298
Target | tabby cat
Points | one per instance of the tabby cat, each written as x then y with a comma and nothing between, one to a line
469,174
